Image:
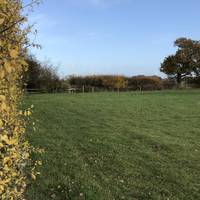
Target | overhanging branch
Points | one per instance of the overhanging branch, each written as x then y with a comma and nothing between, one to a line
11,26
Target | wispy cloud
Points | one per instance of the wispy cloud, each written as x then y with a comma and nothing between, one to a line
98,3
105,2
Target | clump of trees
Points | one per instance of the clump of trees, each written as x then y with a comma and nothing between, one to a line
42,77
185,63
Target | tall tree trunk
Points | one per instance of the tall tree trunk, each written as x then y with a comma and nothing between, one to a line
178,80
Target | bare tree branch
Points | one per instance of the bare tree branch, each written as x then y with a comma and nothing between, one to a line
9,27
30,4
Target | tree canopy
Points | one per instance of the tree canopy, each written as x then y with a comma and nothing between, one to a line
185,62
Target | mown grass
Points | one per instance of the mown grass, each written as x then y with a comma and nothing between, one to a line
117,146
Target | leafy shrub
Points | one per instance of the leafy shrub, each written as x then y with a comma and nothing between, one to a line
14,150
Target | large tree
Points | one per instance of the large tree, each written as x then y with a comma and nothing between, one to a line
191,51
176,66
185,62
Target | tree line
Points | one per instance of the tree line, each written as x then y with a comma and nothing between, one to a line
116,82
44,77
182,70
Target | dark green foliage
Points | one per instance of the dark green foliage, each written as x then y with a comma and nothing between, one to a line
41,76
104,146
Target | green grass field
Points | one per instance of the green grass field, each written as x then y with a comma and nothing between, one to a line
106,146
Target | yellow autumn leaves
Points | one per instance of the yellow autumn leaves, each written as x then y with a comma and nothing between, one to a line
1,21
14,150
7,141
14,53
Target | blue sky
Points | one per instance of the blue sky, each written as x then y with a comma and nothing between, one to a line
126,37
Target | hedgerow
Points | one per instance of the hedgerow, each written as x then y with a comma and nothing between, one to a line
14,149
